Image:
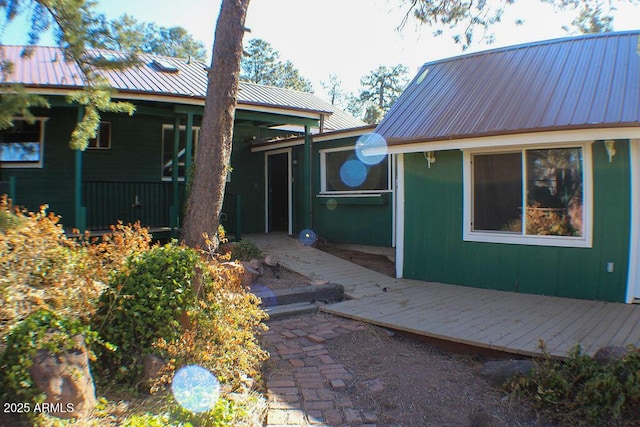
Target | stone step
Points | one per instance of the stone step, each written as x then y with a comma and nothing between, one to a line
326,293
279,311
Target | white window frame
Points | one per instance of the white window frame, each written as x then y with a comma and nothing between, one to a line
196,130
584,241
23,165
347,193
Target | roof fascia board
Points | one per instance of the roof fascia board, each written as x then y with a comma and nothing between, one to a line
278,145
329,136
275,118
184,100
515,140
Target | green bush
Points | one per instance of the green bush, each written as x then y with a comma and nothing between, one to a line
192,310
41,330
580,391
245,250
143,303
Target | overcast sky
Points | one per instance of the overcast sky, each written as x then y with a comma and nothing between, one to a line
348,38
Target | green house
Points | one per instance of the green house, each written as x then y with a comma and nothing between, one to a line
519,169
135,169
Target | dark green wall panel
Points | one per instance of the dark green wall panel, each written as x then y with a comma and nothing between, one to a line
434,249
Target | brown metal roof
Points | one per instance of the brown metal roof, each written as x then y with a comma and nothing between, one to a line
46,68
571,83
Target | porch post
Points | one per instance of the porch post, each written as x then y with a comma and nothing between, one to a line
174,212
188,149
307,179
80,211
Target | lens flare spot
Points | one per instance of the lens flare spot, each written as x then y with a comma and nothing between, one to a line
422,76
307,237
268,297
353,173
332,204
371,148
195,388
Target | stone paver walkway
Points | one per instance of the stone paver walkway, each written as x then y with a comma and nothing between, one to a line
305,385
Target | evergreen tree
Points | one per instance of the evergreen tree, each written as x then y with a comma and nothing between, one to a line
261,64
379,91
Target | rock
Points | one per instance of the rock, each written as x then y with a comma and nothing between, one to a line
270,261
372,386
66,380
609,353
498,372
256,265
249,274
151,370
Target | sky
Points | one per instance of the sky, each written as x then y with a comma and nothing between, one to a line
348,38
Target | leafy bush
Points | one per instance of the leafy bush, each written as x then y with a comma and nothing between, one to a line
580,391
40,268
41,330
194,311
245,250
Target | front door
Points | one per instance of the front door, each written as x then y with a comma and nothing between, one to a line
278,191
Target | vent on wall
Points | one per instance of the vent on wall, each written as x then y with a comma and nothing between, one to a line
165,66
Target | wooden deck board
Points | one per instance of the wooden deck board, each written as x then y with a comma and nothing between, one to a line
504,321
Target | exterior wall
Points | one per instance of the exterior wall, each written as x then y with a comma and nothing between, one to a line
434,249
359,220
53,184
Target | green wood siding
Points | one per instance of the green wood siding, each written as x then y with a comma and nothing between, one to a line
434,249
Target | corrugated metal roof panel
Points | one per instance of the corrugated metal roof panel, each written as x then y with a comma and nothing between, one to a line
46,67
578,82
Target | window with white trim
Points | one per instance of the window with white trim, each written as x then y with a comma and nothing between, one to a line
167,150
539,196
21,145
342,172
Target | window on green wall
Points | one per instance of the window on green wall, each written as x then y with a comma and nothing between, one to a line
21,145
102,141
342,172
529,196
168,138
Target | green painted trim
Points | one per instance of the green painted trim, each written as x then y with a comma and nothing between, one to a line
80,211
370,200
306,202
188,155
175,209
189,109
270,119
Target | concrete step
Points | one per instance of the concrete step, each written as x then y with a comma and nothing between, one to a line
279,311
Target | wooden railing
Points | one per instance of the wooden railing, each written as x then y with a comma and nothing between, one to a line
109,202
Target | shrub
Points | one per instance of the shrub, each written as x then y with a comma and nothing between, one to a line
40,268
245,250
194,311
41,330
579,391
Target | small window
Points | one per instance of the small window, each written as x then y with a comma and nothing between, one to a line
530,196
102,141
21,145
343,172
167,150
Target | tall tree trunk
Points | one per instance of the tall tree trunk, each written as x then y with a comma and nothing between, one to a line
216,133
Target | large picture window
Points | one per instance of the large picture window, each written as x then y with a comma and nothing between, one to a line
21,145
529,196
342,172
167,150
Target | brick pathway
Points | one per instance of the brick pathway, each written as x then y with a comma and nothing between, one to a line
305,385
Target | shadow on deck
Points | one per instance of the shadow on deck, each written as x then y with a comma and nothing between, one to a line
495,320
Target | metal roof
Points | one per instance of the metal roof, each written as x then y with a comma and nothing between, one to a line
179,79
571,83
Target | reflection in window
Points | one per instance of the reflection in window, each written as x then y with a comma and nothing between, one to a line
343,172
103,137
21,143
552,192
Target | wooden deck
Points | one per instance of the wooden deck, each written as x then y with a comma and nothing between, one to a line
503,321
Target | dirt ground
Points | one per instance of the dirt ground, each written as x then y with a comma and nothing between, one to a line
410,382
